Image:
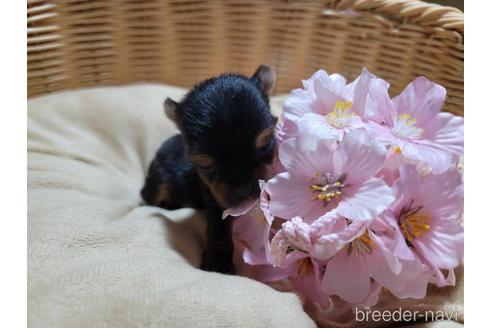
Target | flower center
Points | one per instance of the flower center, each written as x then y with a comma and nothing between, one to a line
304,266
329,188
406,127
360,246
341,115
412,223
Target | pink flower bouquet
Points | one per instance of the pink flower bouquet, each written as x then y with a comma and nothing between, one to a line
366,193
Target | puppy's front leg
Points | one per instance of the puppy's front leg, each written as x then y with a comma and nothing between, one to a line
219,247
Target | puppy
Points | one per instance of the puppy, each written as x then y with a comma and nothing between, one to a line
226,145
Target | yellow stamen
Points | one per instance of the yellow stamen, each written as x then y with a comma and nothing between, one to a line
304,267
326,191
319,187
339,105
414,225
341,114
406,127
362,244
406,117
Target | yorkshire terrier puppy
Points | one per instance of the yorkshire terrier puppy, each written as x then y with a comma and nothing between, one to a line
226,145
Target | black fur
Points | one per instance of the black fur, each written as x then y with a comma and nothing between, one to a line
172,167
220,118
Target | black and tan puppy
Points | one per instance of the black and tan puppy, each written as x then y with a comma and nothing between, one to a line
226,144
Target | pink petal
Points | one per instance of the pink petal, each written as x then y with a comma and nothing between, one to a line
291,196
406,187
277,167
380,133
442,195
439,279
365,201
299,103
347,277
445,133
315,124
254,257
240,209
329,91
269,273
438,160
331,233
317,76
360,92
372,298
331,83
411,282
303,101
379,106
265,201
358,156
404,278
251,231
421,99
379,224
382,257
306,155
400,246
443,244
309,83
309,286
285,129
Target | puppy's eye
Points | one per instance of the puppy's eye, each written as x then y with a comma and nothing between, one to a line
205,167
204,162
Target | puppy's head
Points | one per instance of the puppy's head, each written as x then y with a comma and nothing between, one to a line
228,129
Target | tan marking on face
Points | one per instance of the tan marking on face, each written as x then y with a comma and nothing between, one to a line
263,137
218,189
162,194
264,172
203,160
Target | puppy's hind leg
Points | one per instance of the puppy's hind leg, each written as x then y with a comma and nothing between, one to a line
159,192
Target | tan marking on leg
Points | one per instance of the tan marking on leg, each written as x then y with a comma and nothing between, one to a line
162,194
218,189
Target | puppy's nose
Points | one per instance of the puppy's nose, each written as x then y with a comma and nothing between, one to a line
246,191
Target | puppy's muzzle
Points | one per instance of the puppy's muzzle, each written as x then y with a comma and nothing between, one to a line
248,191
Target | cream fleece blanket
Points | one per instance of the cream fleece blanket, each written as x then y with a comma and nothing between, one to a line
97,257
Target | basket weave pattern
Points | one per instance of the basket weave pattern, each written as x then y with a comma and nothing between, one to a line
84,43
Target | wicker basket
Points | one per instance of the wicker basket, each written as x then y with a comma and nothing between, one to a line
83,43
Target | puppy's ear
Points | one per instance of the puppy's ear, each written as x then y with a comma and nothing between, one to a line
170,107
266,76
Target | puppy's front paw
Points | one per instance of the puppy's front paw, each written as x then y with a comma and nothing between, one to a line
217,261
